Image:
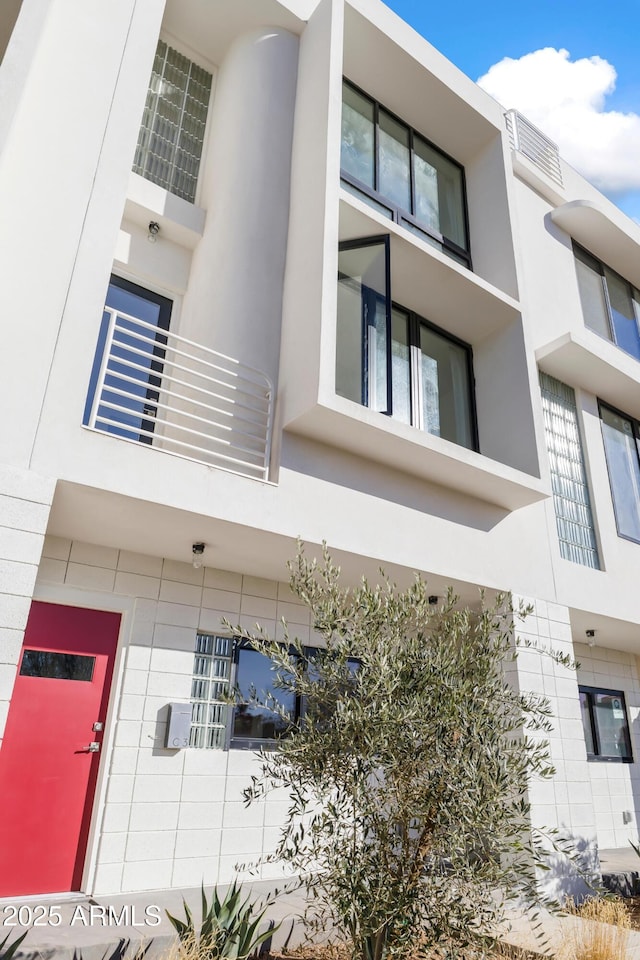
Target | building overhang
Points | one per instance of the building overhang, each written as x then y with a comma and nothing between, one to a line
380,439
607,234
586,360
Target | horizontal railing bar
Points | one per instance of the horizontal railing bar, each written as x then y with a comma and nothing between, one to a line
183,397
230,414
134,334
158,405
181,443
160,360
195,433
150,326
252,471
161,389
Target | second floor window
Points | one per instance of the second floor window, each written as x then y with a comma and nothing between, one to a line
175,115
404,176
610,305
392,360
621,435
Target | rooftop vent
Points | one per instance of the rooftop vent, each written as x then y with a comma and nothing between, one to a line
533,144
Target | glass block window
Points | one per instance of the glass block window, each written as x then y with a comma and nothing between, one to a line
574,520
210,684
175,115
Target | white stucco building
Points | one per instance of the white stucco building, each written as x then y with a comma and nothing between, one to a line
341,296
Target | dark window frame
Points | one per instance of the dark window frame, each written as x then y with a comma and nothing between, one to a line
398,214
599,757
416,320
635,426
579,252
251,743
300,707
152,396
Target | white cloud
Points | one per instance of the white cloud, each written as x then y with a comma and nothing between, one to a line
566,99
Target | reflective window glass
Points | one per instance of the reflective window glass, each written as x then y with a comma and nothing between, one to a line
268,711
391,167
362,323
605,724
446,401
393,161
622,314
357,157
624,470
57,666
439,193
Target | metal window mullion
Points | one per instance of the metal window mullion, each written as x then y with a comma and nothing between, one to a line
376,121
607,300
412,199
415,371
594,726
388,308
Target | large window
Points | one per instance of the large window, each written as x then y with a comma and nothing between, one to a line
263,713
394,361
403,175
606,729
260,712
173,123
621,437
611,306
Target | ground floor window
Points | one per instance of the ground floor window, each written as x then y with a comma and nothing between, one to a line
261,712
606,728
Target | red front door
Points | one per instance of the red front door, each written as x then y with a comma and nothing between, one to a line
50,754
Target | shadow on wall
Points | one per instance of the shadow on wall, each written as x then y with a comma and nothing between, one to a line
381,482
575,874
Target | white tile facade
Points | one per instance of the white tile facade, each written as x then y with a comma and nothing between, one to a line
563,802
171,818
615,786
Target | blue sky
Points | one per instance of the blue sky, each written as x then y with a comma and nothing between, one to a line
477,36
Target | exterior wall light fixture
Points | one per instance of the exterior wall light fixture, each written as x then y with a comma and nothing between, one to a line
154,230
198,550
591,637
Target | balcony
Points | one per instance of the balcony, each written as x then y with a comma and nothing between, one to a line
152,387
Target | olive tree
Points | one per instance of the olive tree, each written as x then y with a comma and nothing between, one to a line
408,773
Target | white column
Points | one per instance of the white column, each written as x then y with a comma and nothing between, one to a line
234,300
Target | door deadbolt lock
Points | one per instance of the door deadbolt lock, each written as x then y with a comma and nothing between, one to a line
98,726
94,747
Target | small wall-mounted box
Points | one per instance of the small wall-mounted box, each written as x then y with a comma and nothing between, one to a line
178,726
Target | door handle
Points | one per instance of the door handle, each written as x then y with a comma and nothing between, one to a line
93,747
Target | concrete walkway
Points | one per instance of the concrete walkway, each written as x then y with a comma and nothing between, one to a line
92,928
104,928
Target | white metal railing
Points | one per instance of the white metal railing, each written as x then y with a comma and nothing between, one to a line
152,386
534,145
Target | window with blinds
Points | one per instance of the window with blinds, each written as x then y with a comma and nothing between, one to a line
209,686
173,123
574,519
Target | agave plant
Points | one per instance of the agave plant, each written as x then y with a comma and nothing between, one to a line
7,950
230,927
